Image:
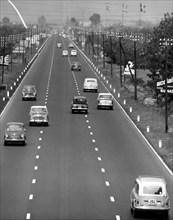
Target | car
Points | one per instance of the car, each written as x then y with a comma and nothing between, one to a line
90,84
76,66
59,45
73,53
65,53
29,92
71,45
38,115
79,104
15,133
105,100
149,194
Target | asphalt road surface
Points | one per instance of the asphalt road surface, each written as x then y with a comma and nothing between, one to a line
80,167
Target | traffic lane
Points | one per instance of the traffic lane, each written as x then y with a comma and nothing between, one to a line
17,162
125,155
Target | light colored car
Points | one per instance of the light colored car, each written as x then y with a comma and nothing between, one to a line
65,53
59,45
71,45
73,53
105,100
79,104
149,193
15,133
38,115
90,84
76,66
29,92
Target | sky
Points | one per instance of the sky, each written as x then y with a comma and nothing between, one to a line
58,11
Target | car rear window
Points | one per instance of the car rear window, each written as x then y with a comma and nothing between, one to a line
105,97
79,101
153,190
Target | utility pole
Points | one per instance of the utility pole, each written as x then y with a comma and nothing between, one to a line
120,62
3,42
103,44
135,82
110,38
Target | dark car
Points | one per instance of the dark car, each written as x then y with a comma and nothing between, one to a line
15,133
29,92
76,66
79,104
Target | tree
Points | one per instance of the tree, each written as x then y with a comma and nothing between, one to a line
42,22
6,21
95,19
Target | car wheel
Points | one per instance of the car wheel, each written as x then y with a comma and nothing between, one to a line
165,213
30,123
98,107
86,112
96,90
23,143
5,143
72,111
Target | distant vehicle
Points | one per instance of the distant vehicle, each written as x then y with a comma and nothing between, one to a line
73,53
79,104
71,45
65,53
149,194
59,45
90,84
15,133
38,115
29,92
76,66
105,100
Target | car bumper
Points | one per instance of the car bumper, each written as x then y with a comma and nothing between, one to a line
38,122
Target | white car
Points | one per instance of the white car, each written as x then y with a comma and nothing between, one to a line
65,53
38,115
105,100
59,45
149,194
73,53
90,84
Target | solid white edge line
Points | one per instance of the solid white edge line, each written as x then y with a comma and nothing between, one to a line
28,215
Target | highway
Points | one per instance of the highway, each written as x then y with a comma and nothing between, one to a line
81,166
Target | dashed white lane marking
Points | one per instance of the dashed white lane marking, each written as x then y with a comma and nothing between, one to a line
103,170
28,215
91,133
107,183
117,217
99,158
96,149
30,196
112,199
36,168
86,116
39,147
87,121
41,132
33,181
40,139
93,140
89,127
45,103
37,156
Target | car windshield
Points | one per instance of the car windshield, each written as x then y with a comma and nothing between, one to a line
105,97
14,127
38,110
79,101
29,89
153,190
91,81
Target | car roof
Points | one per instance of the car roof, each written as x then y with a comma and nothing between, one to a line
26,86
90,79
105,93
15,123
79,97
151,180
39,106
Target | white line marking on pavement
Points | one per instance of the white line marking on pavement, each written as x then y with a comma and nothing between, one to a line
117,217
103,170
89,127
107,183
87,121
91,133
33,181
96,149
86,116
112,199
37,156
36,168
40,139
28,215
99,158
30,196
39,147
93,140
41,132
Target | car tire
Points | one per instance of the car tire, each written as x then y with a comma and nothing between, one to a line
165,214
86,112
98,107
5,143
30,123
23,143
72,111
